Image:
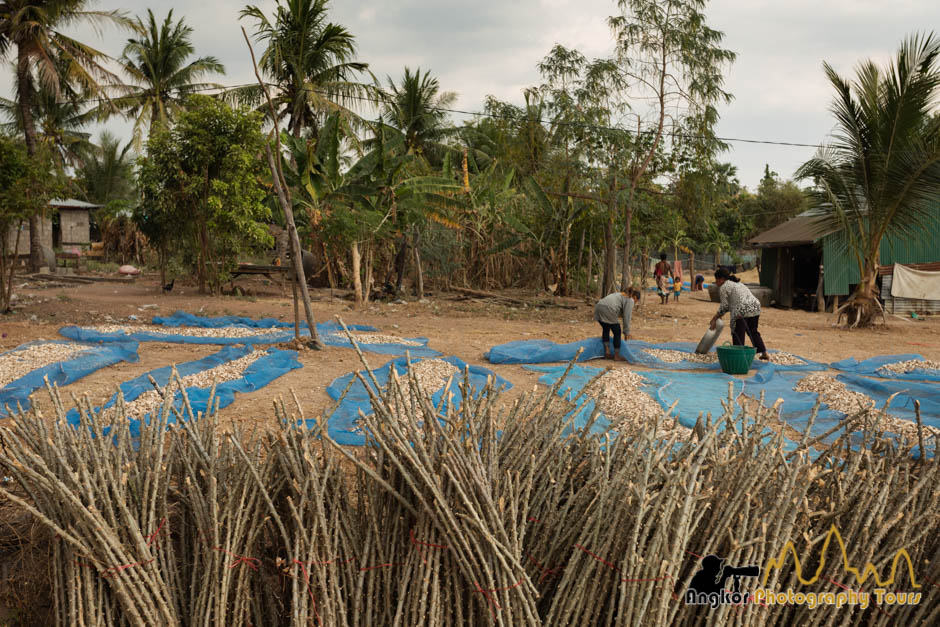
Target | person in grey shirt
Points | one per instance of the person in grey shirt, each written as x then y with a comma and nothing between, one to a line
609,311
744,307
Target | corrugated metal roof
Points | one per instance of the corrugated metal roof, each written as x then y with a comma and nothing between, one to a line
71,203
801,230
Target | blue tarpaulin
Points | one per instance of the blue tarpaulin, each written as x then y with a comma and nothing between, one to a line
258,374
342,423
690,394
64,372
797,407
870,367
634,351
330,332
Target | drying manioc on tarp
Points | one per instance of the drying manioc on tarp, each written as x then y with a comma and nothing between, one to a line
26,368
232,370
353,392
494,515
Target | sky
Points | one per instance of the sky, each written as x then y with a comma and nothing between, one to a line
492,47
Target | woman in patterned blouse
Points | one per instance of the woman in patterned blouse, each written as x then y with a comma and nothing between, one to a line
744,308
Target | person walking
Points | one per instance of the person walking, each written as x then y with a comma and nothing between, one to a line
609,311
662,272
744,307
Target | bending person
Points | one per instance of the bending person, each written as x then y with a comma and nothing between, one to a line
744,307
609,311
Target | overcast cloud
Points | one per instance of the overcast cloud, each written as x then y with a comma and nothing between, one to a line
492,47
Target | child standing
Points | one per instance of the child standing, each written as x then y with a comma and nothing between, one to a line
676,279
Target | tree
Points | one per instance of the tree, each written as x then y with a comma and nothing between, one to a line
32,28
201,180
359,204
60,121
776,201
880,175
414,107
107,178
715,240
27,182
107,175
675,61
311,62
158,64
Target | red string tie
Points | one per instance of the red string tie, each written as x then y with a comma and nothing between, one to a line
153,536
313,600
252,562
597,557
116,569
545,571
494,605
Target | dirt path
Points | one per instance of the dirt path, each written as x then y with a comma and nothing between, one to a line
463,328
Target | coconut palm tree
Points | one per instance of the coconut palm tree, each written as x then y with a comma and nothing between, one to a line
31,31
311,62
60,122
158,64
415,107
107,175
881,173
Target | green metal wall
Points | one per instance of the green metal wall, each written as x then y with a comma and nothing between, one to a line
841,268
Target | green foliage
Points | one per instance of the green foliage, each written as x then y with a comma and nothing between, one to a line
311,62
880,175
414,107
161,71
27,183
107,175
201,188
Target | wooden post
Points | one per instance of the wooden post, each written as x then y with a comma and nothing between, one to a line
280,186
820,298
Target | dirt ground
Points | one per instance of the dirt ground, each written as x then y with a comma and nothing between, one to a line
456,325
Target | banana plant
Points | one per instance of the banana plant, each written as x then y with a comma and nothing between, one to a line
360,201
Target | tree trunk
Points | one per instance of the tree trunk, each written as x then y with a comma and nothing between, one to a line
419,274
863,306
293,285
357,279
610,252
367,286
589,275
25,95
562,289
401,258
692,270
300,278
6,289
626,278
580,251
